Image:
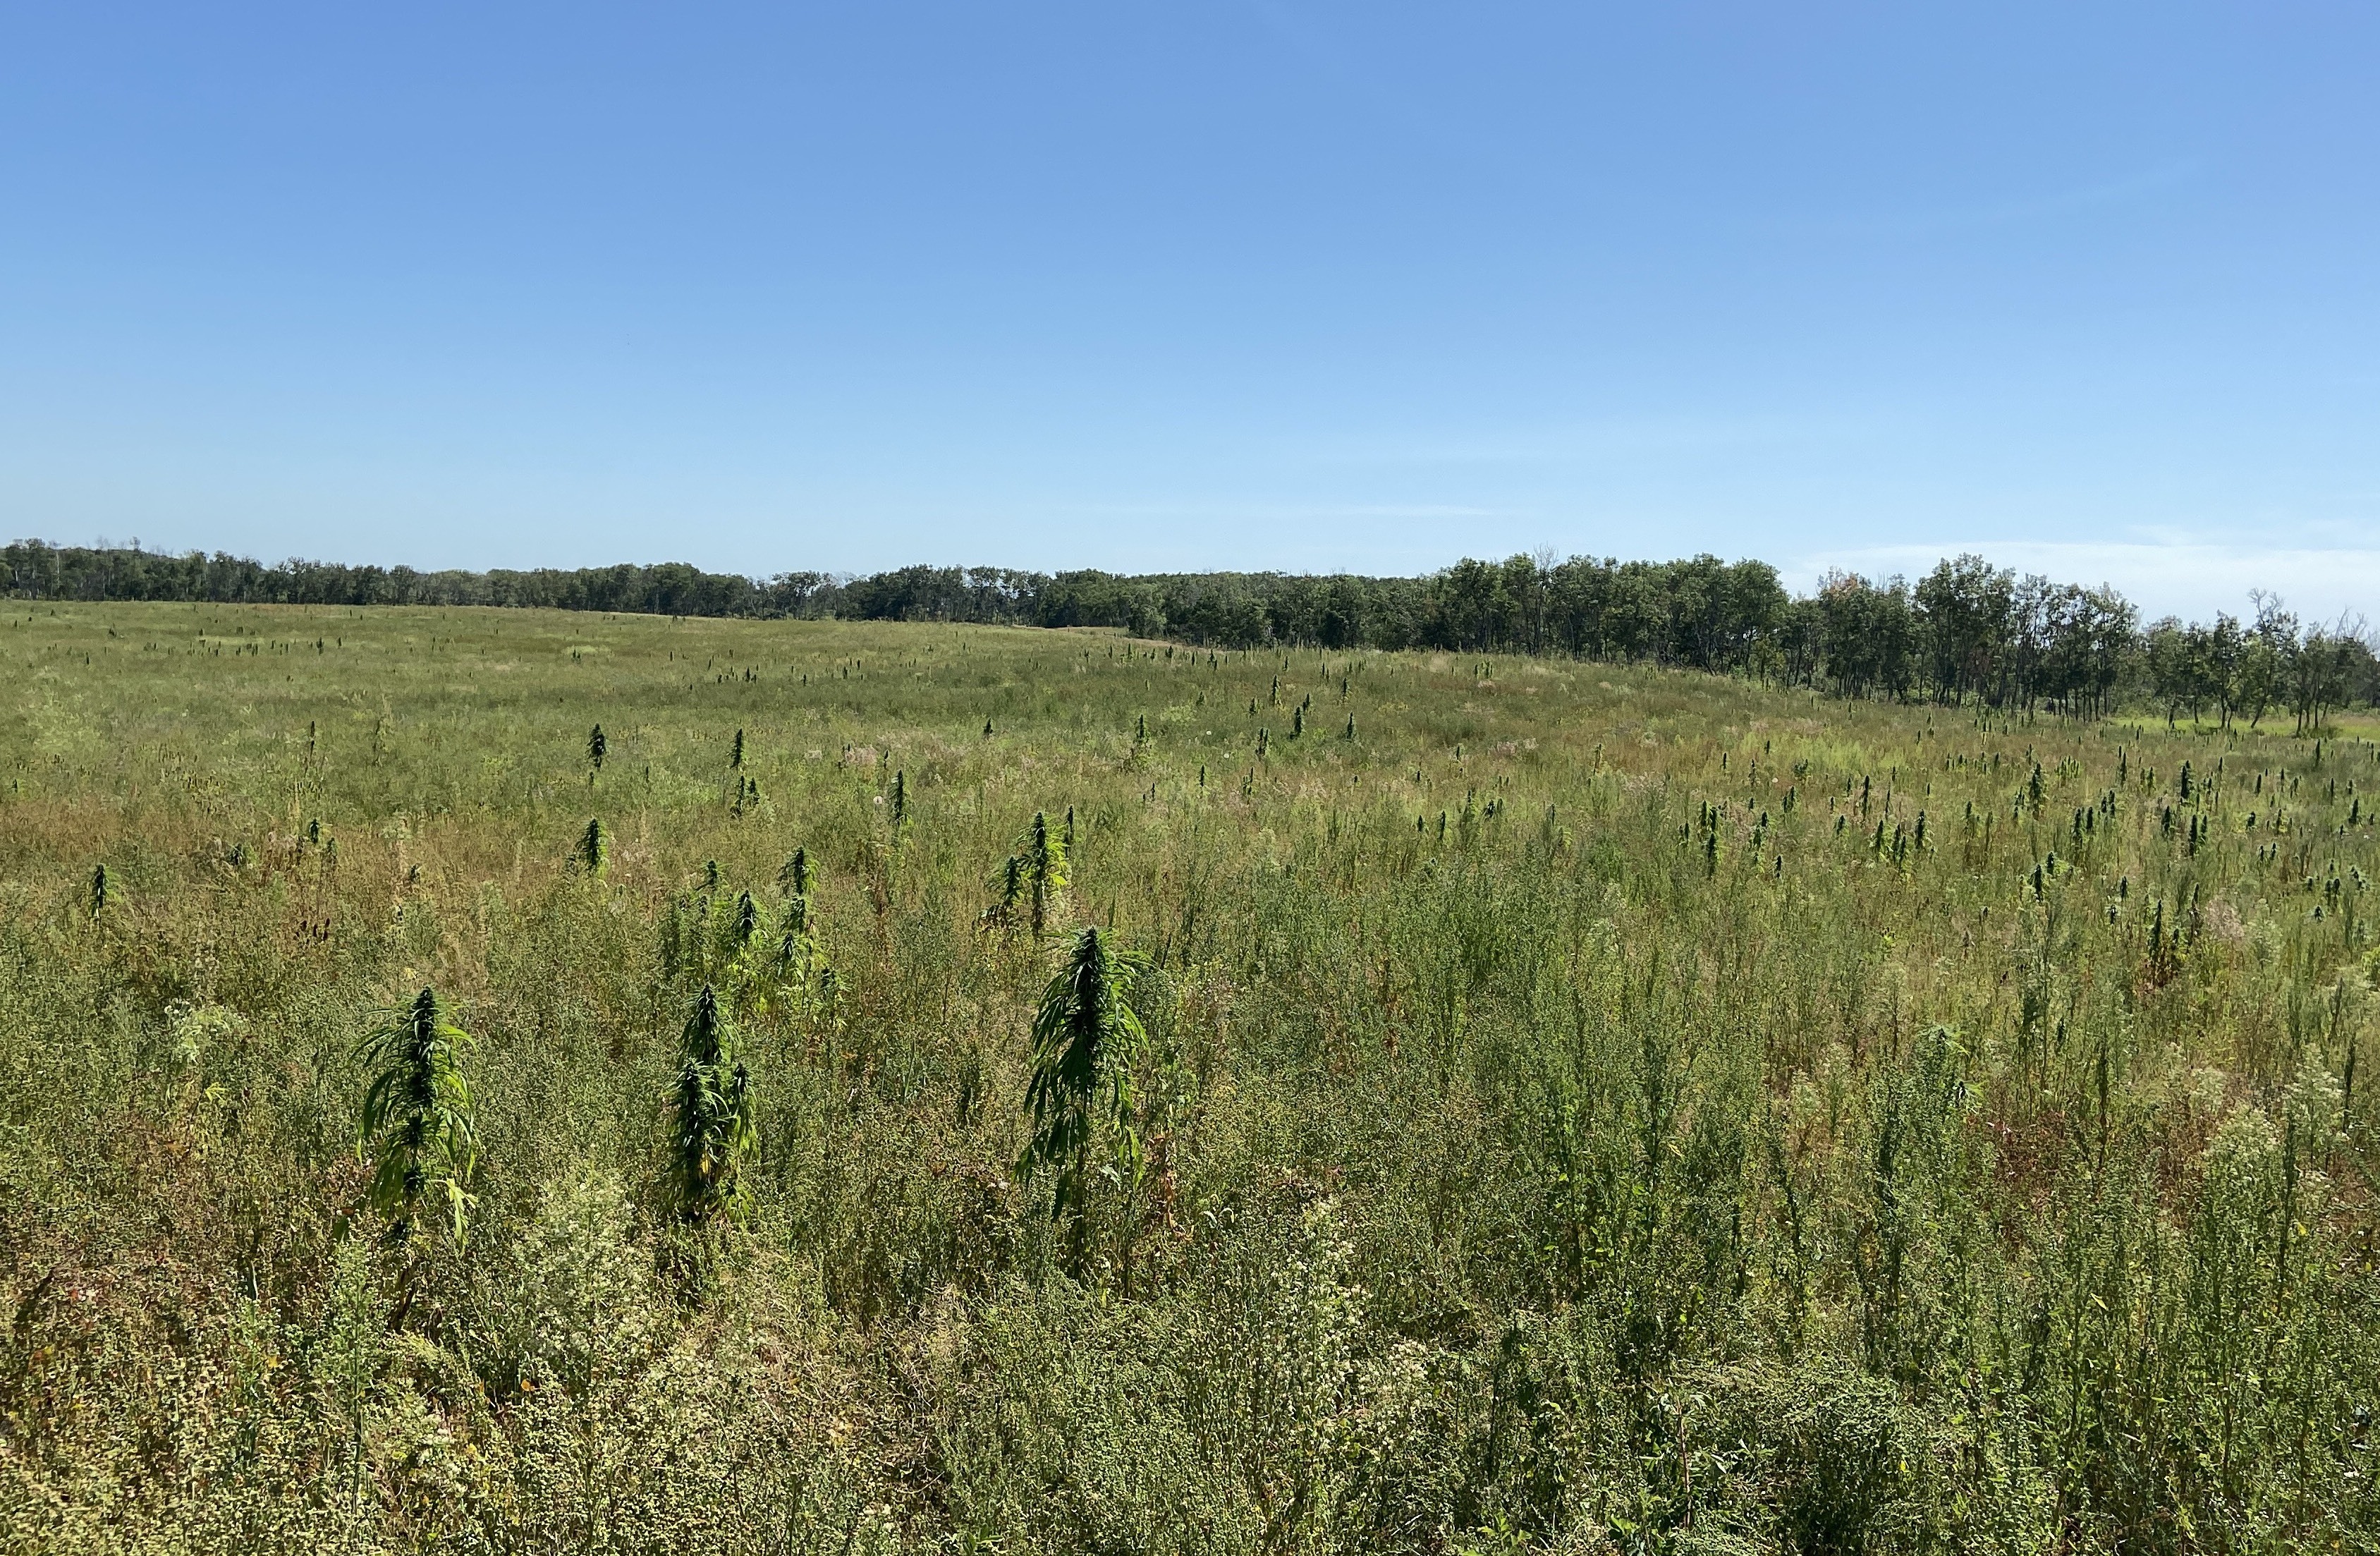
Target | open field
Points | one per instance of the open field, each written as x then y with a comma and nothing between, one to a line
1584,1106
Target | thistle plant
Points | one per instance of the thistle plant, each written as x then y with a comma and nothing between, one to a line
417,1110
1087,1040
711,1112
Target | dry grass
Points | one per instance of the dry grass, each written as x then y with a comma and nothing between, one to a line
1537,1185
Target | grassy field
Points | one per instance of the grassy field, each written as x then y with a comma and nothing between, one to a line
1582,1108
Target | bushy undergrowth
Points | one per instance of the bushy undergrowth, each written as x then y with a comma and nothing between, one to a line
1510,1105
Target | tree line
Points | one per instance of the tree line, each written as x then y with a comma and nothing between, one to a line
1965,632
35,570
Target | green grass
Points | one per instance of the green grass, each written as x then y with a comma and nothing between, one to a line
1560,1125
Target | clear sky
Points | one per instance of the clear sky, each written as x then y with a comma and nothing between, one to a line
2095,289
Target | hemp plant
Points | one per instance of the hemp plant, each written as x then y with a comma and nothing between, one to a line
1043,856
594,851
710,1115
1009,883
797,951
796,946
1032,881
1087,1040
417,1110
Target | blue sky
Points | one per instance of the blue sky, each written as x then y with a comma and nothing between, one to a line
2092,289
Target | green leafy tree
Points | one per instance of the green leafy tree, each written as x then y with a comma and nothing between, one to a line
417,1109
2172,658
2260,683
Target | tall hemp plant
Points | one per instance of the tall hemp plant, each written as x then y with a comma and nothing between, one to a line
1043,857
1009,883
711,1116
797,946
1087,1041
417,1110
593,854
